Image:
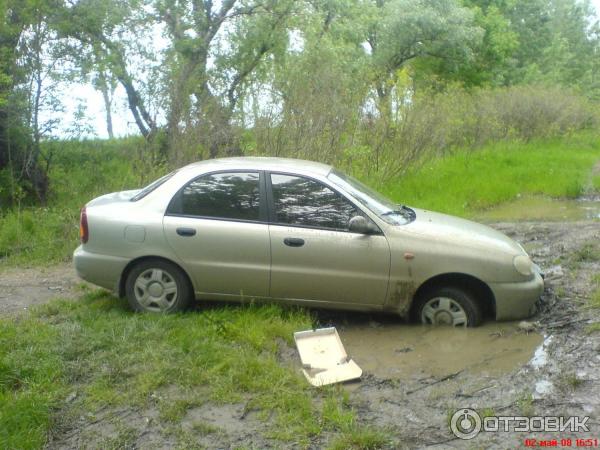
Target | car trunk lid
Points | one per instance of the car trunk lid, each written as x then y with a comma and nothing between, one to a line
114,197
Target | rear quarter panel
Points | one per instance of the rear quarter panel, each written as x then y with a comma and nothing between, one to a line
127,230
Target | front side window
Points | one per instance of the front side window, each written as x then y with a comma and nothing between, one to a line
305,202
234,195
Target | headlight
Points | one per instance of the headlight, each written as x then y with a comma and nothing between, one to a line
523,265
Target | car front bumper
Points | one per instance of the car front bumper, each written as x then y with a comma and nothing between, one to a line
517,300
98,269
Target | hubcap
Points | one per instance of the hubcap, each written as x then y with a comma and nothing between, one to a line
444,311
155,290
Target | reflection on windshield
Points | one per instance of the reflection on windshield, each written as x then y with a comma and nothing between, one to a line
386,209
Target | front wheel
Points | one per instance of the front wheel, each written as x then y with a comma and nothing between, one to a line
157,286
448,306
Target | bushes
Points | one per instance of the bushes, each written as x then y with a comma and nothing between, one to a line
417,126
522,113
433,125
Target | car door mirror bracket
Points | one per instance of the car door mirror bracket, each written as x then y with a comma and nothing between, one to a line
360,224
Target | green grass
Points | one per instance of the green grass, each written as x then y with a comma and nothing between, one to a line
590,252
467,182
31,381
569,381
526,405
115,358
594,328
360,439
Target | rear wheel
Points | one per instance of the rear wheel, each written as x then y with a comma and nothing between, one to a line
448,306
157,286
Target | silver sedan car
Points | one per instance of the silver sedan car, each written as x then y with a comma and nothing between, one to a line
292,231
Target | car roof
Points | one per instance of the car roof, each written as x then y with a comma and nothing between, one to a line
262,163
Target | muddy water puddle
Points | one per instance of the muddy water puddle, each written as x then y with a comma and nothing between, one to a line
537,208
400,350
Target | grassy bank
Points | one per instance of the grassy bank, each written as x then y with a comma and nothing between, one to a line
467,182
102,356
79,172
461,183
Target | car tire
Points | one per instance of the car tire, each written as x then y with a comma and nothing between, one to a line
448,306
157,286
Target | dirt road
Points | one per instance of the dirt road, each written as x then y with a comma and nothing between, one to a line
21,288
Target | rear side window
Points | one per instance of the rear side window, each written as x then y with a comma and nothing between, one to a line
305,202
233,195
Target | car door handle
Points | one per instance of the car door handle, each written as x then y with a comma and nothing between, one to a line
186,231
293,242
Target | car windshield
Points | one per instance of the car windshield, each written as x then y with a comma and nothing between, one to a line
386,209
152,186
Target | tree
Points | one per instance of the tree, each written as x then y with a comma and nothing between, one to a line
105,30
405,30
204,96
491,57
23,37
568,58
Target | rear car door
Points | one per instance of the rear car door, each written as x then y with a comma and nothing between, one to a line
216,224
313,255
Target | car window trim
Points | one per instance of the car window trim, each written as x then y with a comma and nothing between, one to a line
272,218
221,219
262,208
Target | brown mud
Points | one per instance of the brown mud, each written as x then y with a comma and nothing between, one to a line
398,351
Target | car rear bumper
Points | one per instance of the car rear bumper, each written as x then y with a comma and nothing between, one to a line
517,300
98,269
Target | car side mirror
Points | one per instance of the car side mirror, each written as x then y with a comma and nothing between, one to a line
360,224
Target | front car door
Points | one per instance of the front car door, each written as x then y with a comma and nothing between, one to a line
216,224
313,255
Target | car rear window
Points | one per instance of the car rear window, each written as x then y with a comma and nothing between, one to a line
152,186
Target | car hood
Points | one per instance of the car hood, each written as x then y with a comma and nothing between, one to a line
115,197
461,232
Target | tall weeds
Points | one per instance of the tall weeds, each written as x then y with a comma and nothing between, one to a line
420,125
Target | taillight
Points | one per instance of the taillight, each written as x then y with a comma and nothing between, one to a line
84,232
